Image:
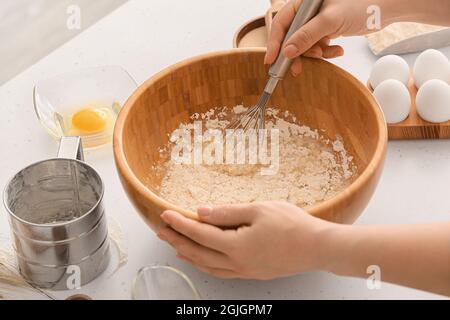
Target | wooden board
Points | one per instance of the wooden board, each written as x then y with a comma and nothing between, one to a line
414,127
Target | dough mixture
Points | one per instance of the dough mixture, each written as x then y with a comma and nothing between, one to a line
311,170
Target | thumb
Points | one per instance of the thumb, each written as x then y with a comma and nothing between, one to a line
227,215
306,37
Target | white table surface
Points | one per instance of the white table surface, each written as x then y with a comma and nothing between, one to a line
144,36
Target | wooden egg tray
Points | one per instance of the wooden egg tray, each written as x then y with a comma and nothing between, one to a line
414,127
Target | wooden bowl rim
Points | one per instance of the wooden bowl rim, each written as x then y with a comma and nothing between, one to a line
352,189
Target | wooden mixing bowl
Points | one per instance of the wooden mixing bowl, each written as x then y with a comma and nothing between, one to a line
323,97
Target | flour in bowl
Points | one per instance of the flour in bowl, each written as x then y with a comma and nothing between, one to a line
311,169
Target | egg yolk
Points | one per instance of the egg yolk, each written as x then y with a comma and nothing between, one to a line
89,120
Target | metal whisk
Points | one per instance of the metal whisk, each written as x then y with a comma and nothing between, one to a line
254,118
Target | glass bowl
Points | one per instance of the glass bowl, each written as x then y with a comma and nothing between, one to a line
163,283
101,89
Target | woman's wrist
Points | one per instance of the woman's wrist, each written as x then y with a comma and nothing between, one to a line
429,12
393,11
333,248
327,245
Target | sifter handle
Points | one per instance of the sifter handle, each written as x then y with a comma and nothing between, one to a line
70,148
308,10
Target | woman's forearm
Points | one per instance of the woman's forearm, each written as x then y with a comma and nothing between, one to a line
416,256
435,12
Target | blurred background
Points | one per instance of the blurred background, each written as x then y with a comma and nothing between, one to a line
30,29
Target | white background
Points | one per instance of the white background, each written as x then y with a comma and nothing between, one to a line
23,22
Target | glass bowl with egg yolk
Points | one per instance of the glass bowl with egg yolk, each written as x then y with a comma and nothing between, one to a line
83,103
94,124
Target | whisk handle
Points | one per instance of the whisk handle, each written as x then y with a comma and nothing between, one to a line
308,10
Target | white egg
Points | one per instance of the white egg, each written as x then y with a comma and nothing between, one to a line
394,99
433,101
389,67
431,64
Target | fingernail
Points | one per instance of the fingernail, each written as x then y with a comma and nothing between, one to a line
316,53
165,216
162,236
182,258
204,211
291,51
